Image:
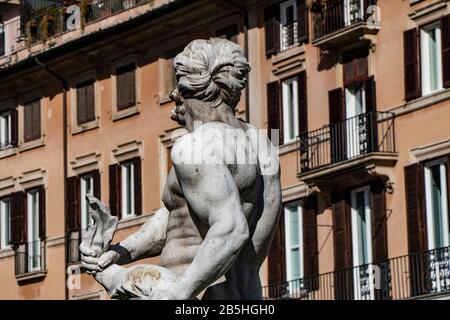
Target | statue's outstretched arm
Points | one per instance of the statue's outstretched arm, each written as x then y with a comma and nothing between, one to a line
147,242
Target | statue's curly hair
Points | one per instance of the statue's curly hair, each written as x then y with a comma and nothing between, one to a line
213,70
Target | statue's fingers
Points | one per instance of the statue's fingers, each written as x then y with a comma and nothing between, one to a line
107,258
87,250
91,267
89,259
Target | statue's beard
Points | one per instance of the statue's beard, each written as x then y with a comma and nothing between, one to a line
177,115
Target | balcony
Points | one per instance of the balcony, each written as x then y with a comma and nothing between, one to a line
355,151
289,36
339,23
424,275
30,261
42,20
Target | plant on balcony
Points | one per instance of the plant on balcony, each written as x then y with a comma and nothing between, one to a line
316,6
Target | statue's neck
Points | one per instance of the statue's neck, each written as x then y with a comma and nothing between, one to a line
197,115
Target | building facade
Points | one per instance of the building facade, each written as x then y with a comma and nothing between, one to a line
354,93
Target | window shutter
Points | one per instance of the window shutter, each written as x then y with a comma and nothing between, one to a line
302,20
81,105
14,127
276,259
411,59
371,107
97,184
272,29
445,33
137,186
36,119
343,259
18,218
310,244
355,65
337,130
2,41
42,213
126,86
415,208
379,238
85,102
302,103
90,102
379,223
417,230
28,114
274,110
114,190
73,204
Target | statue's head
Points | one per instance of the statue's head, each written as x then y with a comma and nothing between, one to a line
212,72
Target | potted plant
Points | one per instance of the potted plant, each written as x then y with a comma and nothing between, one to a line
316,6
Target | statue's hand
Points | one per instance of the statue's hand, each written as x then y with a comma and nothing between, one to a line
96,241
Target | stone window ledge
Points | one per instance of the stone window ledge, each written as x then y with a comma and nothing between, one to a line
133,221
164,99
8,152
125,113
35,276
77,129
32,144
6,252
289,147
422,102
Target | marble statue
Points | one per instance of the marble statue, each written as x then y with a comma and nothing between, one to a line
222,197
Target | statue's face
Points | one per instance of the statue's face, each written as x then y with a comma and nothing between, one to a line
178,114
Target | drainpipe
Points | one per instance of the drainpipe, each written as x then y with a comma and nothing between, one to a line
244,27
65,88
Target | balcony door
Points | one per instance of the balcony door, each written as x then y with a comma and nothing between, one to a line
86,188
34,242
294,247
361,220
356,125
437,224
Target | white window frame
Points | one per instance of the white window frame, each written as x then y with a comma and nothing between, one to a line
353,136
425,58
429,205
5,216
34,242
86,220
294,287
5,128
283,20
285,99
357,260
124,168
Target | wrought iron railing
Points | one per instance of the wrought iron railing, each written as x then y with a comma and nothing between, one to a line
41,20
332,15
349,139
289,36
409,276
9,36
30,257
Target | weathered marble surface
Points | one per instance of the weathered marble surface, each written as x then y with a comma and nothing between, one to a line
222,197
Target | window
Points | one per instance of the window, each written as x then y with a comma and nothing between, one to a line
431,58
437,205
2,39
126,86
288,26
169,80
5,129
294,243
34,241
85,102
229,33
355,106
362,242
32,123
290,109
127,190
86,187
5,227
